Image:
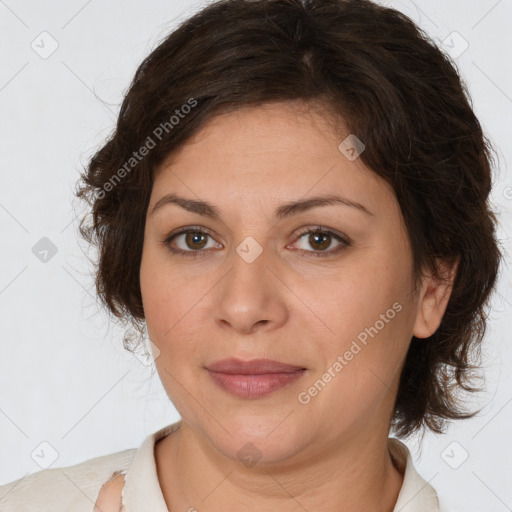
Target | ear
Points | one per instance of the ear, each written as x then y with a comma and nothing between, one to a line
433,299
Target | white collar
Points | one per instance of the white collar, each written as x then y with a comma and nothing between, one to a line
142,491
416,494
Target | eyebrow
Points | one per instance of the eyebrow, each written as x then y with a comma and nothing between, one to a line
285,210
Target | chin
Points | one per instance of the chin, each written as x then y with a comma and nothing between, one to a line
258,440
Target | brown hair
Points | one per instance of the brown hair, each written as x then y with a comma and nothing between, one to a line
393,88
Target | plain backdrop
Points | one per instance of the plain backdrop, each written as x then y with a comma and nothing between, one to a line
65,378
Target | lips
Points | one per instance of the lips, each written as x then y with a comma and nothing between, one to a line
253,379
253,367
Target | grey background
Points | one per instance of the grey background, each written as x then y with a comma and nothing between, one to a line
65,378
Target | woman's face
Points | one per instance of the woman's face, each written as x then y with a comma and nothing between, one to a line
255,284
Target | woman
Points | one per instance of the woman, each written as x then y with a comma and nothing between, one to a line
294,204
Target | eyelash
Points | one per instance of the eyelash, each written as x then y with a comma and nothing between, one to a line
345,242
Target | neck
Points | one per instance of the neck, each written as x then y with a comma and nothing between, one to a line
354,475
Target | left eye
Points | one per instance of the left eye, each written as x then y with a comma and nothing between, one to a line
321,238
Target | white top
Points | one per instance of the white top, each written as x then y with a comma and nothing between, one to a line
76,488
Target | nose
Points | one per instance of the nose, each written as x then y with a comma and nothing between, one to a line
250,297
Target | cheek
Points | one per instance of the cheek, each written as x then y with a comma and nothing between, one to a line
363,289
159,298
367,315
172,306
359,361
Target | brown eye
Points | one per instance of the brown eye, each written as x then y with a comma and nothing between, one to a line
193,239
188,242
320,239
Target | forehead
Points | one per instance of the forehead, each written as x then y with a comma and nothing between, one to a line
285,128
274,152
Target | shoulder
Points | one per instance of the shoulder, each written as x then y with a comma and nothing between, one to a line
66,488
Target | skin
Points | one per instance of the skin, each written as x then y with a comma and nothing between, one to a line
328,454
109,497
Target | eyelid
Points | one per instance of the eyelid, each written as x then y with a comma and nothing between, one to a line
186,229
322,229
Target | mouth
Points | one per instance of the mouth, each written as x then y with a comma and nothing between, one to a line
252,367
253,379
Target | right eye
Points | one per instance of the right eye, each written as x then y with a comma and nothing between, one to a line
193,241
